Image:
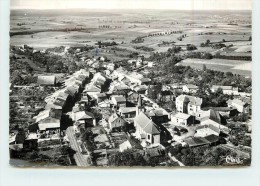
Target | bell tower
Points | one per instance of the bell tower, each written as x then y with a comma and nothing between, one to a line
139,106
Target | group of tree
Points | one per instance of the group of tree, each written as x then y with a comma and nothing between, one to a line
191,47
104,26
199,55
144,48
135,158
138,40
154,91
181,37
203,155
205,78
206,44
106,44
87,137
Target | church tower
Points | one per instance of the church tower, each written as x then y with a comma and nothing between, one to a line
139,106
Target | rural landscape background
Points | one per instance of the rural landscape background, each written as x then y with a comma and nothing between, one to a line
50,30
176,53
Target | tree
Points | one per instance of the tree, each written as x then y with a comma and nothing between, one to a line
191,47
47,68
126,158
204,67
207,55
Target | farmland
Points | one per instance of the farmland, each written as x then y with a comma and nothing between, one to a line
224,65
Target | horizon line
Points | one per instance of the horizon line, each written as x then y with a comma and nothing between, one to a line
128,9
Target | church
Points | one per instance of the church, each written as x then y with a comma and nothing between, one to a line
146,130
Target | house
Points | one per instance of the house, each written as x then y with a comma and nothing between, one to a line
83,118
135,77
190,88
166,95
11,86
201,141
127,112
73,80
146,129
46,80
176,86
241,106
111,66
51,105
118,100
100,97
83,72
206,130
144,81
99,83
214,118
229,90
49,119
99,76
158,115
131,61
17,137
104,104
115,122
139,63
188,104
182,119
107,72
140,89
150,64
132,96
224,111
124,80
59,101
91,90
72,91
125,146
120,89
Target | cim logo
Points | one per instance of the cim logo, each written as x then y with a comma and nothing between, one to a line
231,160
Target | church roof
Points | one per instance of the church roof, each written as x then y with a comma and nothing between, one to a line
147,124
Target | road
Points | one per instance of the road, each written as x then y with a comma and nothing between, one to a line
175,160
81,161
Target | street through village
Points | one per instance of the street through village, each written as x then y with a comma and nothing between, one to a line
81,161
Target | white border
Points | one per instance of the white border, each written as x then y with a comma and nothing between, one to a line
191,176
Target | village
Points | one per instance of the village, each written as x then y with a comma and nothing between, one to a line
105,115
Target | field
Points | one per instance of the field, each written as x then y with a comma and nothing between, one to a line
125,26
224,65
44,29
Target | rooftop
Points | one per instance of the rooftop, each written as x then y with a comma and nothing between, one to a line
222,87
46,80
213,115
112,118
192,99
146,124
182,115
82,115
119,98
190,86
124,110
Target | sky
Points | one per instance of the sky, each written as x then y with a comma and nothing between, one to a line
134,4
